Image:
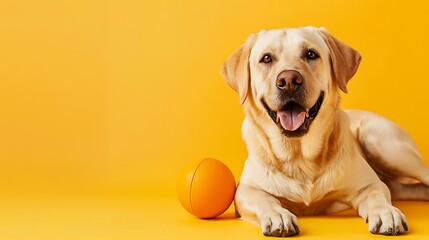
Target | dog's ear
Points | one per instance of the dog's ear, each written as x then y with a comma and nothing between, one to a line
344,59
236,71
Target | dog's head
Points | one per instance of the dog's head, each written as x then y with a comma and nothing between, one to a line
291,74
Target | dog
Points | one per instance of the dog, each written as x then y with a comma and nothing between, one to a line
307,156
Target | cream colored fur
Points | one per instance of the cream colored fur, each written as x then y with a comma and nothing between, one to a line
347,159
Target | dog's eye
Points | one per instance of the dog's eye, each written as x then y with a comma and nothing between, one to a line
266,59
311,55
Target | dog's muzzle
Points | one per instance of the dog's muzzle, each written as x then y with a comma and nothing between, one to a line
293,119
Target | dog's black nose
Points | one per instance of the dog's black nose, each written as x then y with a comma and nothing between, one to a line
289,80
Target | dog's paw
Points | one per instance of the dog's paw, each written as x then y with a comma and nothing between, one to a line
388,221
279,223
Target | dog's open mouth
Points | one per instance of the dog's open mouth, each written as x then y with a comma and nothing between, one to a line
293,119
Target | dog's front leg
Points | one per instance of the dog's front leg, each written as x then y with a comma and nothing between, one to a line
374,205
254,204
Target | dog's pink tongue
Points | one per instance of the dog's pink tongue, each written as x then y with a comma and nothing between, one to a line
292,118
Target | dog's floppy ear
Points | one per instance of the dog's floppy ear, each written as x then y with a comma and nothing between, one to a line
344,59
236,70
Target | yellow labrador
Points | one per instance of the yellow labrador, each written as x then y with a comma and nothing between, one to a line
306,156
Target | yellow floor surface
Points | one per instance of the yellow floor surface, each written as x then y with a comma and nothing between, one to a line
162,217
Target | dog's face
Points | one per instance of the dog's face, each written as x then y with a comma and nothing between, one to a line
290,74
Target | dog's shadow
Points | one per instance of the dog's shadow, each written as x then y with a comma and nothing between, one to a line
230,215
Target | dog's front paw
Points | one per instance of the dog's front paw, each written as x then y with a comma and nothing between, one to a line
279,223
388,221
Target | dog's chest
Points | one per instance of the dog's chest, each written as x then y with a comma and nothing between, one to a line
297,184
304,191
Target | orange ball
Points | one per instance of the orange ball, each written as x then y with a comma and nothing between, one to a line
206,188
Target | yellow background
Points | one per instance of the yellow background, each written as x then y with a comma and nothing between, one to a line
112,98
